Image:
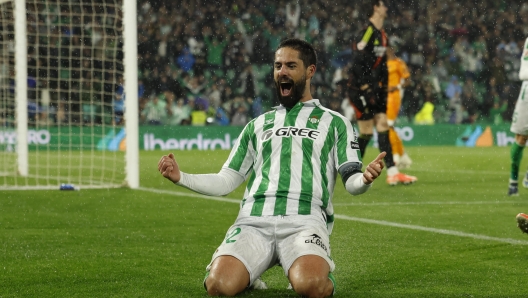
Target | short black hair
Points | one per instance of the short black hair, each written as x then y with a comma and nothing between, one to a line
368,6
306,51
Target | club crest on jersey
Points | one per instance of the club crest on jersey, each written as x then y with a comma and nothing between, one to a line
313,119
290,131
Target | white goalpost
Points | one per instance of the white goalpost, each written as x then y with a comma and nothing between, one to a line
68,94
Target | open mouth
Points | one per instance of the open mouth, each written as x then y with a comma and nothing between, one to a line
286,88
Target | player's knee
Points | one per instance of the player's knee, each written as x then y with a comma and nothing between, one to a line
521,139
221,286
312,286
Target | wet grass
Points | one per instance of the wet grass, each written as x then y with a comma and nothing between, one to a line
452,234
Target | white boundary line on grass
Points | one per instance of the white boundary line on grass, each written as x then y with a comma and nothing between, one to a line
363,220
432,230
426,203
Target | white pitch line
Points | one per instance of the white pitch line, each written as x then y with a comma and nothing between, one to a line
359,219
476,171
426,203
194,195
433,230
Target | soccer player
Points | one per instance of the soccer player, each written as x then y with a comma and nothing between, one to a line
367,89
291,157
399,78
522,222
519,127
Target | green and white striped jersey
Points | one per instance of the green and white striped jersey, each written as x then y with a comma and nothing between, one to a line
292,160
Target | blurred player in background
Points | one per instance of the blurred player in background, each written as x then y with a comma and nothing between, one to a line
522,222
399,78
291,157
519,127
368,86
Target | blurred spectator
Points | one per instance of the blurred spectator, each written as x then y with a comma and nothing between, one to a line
154,112
119,102
248,82
453,88
293,13
179,113
497,110
425,114
215,46
457,109
186,60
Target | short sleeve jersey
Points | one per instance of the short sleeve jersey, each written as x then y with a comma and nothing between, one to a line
292,160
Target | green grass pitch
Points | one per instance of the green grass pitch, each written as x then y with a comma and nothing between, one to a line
452,234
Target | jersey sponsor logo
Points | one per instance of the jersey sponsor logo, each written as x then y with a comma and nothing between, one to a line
354,145
316,239
379,51
291,131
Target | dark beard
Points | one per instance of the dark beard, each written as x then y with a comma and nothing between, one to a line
295,96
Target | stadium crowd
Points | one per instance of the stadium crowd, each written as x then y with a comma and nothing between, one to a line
209,62
463,55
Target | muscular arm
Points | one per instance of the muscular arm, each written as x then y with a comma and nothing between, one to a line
219,184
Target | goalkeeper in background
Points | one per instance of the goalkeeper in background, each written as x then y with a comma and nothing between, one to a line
367,88
291,157
399,78
519,127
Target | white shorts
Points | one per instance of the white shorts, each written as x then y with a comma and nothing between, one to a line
520,114
263,242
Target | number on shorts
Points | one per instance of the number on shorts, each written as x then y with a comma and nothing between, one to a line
231,235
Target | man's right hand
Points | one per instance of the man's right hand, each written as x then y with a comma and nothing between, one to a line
168,167
373,169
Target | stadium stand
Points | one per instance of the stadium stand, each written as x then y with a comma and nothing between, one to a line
216,56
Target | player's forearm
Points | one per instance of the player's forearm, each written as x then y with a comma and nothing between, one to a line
355,184
523,71
211,184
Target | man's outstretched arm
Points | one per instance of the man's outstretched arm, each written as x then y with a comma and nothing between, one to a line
219,184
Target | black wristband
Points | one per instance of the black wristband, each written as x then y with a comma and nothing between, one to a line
348,170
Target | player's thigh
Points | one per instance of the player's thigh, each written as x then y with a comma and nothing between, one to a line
308,267
229,271
380,119
250,245
519,123
304,235
393,105
366,126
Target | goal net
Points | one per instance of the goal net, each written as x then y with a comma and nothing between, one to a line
65,113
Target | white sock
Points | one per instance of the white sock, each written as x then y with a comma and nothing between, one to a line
392,171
